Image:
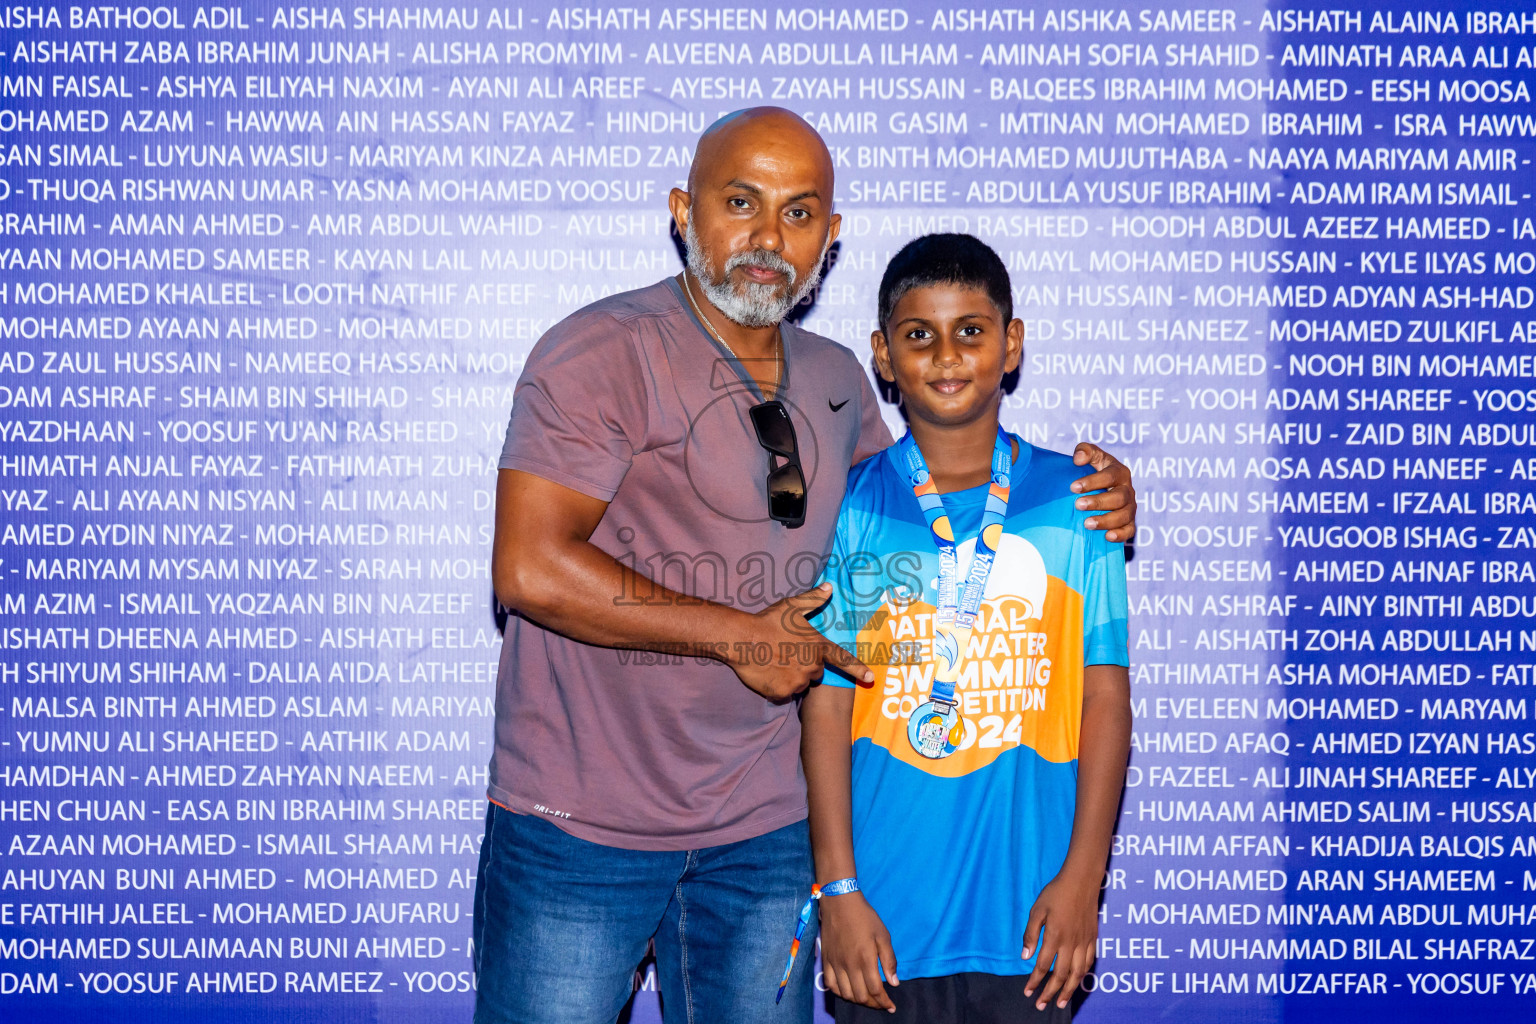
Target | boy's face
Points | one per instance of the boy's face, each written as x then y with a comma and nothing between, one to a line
946,348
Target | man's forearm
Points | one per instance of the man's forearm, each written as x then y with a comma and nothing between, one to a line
826,751
582,592
1103,748
544,565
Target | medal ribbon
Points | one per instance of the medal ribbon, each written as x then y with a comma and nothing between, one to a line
958,603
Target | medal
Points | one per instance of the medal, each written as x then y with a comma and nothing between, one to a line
937,729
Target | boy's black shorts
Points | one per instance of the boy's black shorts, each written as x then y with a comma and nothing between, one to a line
972,998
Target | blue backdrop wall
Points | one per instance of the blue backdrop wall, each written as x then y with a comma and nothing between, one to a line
270,274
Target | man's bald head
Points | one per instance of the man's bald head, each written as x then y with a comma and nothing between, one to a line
744,132
757,217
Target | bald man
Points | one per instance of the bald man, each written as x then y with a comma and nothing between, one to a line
668,488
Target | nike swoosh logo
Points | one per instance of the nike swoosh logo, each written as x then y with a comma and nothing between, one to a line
838,406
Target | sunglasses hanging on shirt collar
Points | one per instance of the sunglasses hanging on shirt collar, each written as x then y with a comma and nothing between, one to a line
786,481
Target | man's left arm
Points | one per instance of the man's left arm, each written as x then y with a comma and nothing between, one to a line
1107,491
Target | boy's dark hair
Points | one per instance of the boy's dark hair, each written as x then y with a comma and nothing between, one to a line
963,260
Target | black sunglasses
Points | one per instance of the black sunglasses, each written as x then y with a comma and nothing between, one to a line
786,482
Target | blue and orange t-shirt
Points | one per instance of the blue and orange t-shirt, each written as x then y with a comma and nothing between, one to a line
952,853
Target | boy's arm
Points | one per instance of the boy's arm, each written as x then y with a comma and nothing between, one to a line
1068,907
854,941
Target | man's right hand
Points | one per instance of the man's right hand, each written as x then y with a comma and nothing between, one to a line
854,947
783,653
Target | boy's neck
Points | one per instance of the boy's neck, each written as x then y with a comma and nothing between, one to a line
959,457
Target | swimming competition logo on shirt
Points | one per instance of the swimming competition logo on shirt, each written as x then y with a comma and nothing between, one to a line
1020,679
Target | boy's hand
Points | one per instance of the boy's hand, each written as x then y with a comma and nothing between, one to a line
1068,912
1118,500
854,945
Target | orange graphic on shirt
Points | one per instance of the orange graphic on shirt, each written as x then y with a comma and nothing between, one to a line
1021,680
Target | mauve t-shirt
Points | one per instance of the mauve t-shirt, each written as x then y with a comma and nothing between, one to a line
631,402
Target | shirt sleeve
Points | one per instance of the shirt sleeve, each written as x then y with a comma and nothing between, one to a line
1104,602
579,411
874,435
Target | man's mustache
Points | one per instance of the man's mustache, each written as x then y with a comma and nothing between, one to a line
762,259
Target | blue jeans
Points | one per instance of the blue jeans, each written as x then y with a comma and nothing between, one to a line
561,924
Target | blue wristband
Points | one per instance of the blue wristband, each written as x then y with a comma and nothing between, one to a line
841,887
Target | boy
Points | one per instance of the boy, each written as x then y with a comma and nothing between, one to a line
971,791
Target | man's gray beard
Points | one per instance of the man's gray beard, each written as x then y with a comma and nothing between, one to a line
755,305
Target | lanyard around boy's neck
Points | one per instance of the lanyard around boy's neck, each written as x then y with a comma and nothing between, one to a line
936,729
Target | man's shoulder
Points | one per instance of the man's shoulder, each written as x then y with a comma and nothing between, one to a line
810,347
659,299
654,300
605,328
